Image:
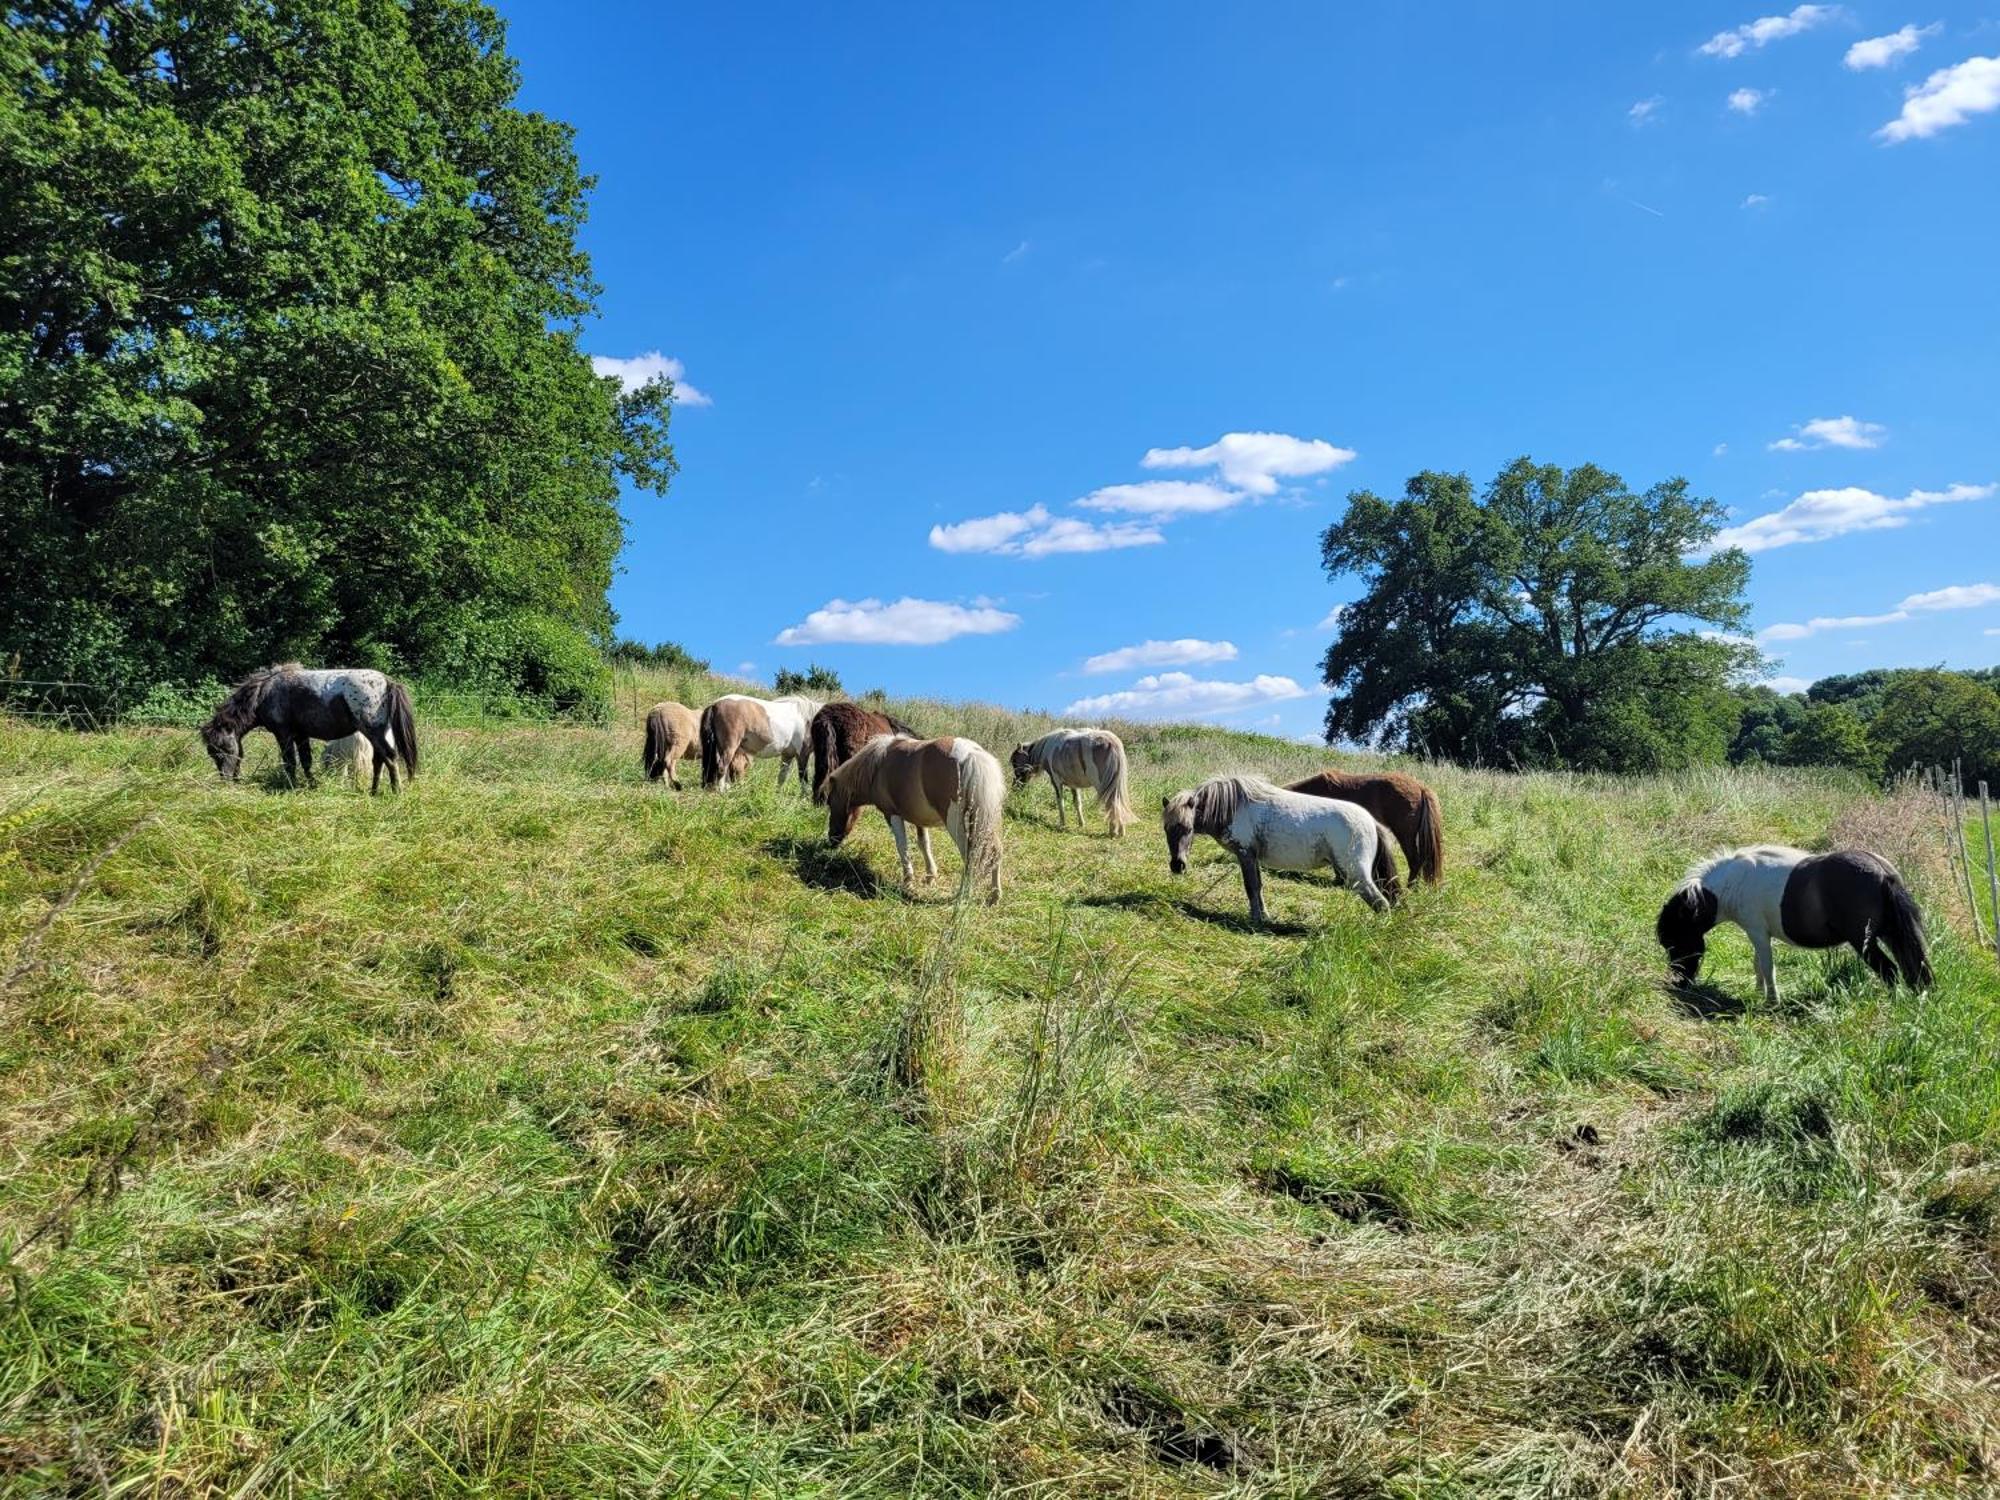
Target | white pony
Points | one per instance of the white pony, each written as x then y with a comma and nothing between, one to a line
1262,824
352,757
758,727
950,783
1076,758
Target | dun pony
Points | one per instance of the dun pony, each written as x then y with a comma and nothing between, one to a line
1808,900
948,783
298,707
1403,804
840,729
1076,758
673,734
1262,824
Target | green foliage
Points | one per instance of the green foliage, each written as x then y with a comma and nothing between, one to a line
1536,624
815,681
289,305
1934,718
1832,734
665,657
1763,733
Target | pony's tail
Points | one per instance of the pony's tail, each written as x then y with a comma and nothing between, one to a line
403,726
821,730
711,749
1384,871
654,757
1113,791
1427,841
982,794
1901,931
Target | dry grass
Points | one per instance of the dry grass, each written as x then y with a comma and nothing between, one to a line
543,1132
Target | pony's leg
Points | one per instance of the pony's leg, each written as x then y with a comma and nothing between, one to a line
1368,891
903,850
306,758
384,756
930,859
1767,975
1253,886
1076,801
289,750
1870,949
1059,801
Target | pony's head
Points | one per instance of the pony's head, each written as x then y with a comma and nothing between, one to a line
842,810
1177,823
1689,913
225,748
1024,764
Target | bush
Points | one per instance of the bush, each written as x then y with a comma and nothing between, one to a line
666,656
815,680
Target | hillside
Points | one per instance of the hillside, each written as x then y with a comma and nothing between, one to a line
545,1132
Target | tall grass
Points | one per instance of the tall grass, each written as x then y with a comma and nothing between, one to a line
543,1132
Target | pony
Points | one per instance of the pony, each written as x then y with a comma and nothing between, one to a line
351,756
840,729
1808,900
1077,758
1402,804
948,783
298,707
760,727
1262,824
673,734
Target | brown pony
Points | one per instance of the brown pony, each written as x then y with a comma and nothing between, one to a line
840,729
1404,804
948,783
673,734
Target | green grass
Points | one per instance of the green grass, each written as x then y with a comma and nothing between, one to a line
545,1132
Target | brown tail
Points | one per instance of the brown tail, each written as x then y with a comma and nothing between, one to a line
403,725
825,755
711,749
655,757
1426,851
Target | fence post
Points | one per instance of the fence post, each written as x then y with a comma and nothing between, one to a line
1992,872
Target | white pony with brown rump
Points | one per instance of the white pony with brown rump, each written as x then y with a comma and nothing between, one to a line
1077,758
761,728
1262,824
949,783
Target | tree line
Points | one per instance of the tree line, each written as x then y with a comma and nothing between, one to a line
1558,618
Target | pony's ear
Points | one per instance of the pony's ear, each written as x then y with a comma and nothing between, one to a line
1166,801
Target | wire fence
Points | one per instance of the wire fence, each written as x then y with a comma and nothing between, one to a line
1965,857
100,706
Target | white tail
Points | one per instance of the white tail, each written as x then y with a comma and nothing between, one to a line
1113,797
982,792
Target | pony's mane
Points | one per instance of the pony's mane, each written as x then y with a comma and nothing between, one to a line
239,709
1699,870
1217,800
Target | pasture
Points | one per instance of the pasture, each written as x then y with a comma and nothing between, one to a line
542,1131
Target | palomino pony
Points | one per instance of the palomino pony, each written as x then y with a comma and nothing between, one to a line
1076,758
1262,824
760,727
1809,900
840,729
948,783
673,734
298,707
1402,804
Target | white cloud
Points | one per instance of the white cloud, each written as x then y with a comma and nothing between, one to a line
1176,695
1820,515
1016,253
1179,653
1880,51
1748,101
1161,498
907,622
1995,630
1333,617
1642,112
1035,533
745,668
1957,596
1767,29
1832,432
652,365
1254,461
1755,200
1787,684
1949,97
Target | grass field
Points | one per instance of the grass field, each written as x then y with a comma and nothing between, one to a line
544,1132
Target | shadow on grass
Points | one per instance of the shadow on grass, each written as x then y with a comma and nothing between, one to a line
823,867
1706,1002
1153,904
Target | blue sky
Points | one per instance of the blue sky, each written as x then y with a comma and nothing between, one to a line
1030,267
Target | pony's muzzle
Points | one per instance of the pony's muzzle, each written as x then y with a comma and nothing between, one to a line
1177,865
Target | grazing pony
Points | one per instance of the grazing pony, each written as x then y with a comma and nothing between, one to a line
948,783
840,729
298,707
758,727
351,756
1402,804
1808,900
1076,758
1262,824
673,734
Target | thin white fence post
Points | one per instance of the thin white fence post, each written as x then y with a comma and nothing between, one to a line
1992,871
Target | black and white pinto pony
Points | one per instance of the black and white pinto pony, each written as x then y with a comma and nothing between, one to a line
1807,900
1262,824
299,706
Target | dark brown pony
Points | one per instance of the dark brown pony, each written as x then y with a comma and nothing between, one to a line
1407,807
840,729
